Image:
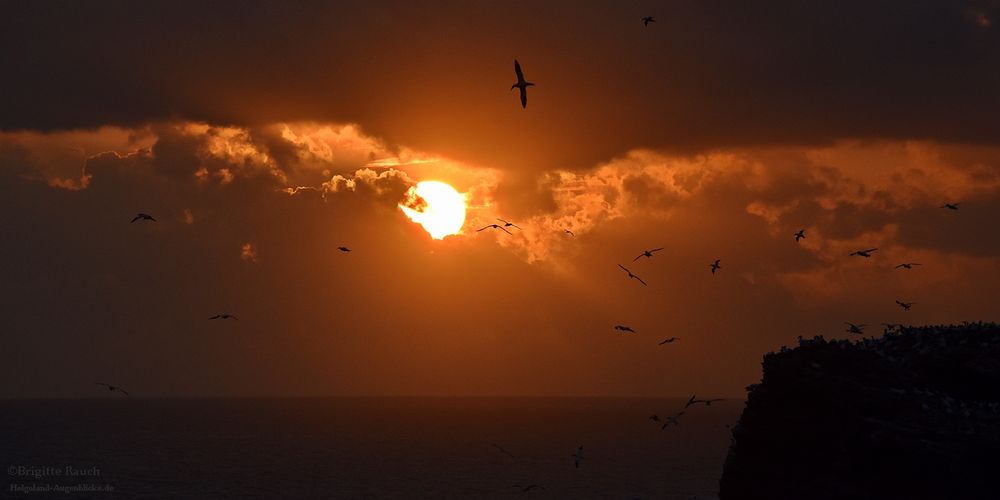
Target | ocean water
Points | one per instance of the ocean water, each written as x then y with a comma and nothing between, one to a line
361,448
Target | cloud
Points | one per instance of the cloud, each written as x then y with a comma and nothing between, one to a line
436,78
402,313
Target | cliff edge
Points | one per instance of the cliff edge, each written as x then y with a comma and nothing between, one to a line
914,414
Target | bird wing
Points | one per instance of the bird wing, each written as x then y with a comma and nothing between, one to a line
871,250
623,268
524,97
664,342
478,230
637,258
640,280
123,391
655,250
517,70
101,383
501,220
135,219
505,230
217,316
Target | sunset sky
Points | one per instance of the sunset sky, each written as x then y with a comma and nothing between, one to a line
264,135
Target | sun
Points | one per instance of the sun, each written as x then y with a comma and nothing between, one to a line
436,206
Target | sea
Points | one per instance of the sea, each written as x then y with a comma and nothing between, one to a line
395,447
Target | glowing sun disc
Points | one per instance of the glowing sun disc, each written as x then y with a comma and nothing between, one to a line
436,206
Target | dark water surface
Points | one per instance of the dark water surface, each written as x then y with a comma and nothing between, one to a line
362,448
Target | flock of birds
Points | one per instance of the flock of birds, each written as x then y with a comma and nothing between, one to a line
673,419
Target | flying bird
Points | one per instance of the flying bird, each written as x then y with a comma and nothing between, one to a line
856,329
950,206
716,266
623,328
668,341
706,402
630,275
908,265
905,305
863,253
113,388
567,231
495,226
507,223
223,316
525,489
521,84
344,249
646,253
672,420
578,456
646,20
505,452
142,216
800,235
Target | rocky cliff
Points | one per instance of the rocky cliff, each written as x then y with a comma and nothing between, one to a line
914,414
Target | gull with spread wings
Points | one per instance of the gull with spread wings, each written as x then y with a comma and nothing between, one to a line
521,84
630,275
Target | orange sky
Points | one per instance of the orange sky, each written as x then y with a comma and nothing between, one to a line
262,160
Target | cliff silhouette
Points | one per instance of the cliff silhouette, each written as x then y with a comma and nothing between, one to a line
914,414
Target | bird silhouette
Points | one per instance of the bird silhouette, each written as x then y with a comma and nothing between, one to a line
706,402
142,216
505,452
623,328
646,253
223,316
630,275
950,206
507,223
856,329
905,305
525,489
578,456
646,20
521,84
113,388
716,265
495,226
668,341
567,231
672,420
344,249
908,265
863,253
800,235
